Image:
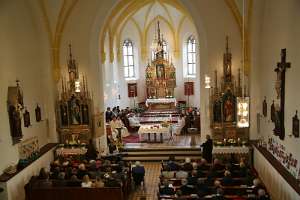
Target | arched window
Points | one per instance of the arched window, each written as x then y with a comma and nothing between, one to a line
191,56
128,62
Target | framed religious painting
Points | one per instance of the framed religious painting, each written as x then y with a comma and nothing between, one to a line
38,114
26,117
229,107
296,125
188,88
265,108
99,124
15,106
132,89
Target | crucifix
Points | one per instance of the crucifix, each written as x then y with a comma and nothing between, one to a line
280,89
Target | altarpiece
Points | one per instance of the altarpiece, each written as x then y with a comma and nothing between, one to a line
223,102
74,107
160,73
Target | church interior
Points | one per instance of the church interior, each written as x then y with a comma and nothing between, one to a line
149,99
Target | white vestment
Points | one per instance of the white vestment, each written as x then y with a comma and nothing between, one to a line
114,125
178,127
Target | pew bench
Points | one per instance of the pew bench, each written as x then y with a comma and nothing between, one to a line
75,193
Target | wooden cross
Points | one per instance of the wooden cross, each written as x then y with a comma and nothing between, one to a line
280,88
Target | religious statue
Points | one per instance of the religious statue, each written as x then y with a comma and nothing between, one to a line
296,125
227,63
15,121
85,114
265,108
75,117
14,107
229,104
217,111
280,90
26,117
160,71
228,110
38,115
273,112
64,114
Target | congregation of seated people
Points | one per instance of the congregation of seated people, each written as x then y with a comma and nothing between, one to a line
200,180
110,171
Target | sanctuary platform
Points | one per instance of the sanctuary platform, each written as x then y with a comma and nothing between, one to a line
181,147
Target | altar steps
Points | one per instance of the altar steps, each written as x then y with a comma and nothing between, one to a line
158,154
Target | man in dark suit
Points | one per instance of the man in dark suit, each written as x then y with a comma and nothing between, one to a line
207,149
108,115
138,173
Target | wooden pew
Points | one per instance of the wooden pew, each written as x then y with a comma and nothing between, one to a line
76,193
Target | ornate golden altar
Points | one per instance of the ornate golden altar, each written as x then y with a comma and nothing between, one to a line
223,103
160,73
74,107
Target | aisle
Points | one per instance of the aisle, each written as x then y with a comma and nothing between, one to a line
149,191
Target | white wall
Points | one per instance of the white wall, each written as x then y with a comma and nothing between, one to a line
276,185
278,30
275,26
24,55
15,186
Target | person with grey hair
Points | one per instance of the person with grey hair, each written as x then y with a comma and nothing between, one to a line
262,195
257,185
138,173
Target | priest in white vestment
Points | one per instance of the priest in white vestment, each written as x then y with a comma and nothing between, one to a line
179,126
115,124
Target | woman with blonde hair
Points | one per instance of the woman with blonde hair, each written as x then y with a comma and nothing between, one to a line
98,183
86,183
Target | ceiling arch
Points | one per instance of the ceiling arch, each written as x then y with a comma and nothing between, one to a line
127,11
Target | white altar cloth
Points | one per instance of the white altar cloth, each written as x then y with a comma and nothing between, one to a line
154,129
230,150
161,101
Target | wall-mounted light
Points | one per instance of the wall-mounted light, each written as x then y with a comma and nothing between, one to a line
243,112
207,82
77,86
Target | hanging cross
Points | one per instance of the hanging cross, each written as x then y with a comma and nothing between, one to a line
280,89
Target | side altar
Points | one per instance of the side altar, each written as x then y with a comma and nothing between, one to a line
74,107
160,75
223,103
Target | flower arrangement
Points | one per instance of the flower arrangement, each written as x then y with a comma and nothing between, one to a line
165,124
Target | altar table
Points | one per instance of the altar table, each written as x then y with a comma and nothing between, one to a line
161,103
154,129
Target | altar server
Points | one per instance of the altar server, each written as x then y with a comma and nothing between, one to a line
178,128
